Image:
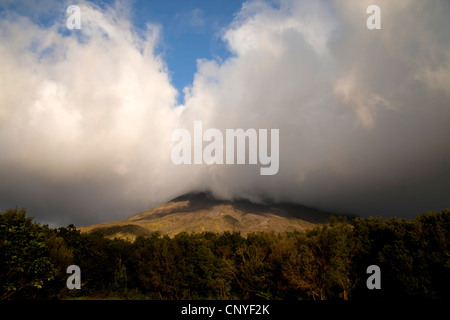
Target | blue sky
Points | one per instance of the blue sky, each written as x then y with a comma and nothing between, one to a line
191,30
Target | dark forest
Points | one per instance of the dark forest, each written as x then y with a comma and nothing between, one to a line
325,263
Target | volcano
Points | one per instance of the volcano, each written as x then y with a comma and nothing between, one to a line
199,212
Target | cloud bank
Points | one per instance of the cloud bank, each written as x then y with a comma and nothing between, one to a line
86,118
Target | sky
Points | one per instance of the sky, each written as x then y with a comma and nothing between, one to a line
87,116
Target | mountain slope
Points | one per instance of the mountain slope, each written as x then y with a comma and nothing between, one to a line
198,212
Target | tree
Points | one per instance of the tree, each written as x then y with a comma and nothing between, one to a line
25,266
319,264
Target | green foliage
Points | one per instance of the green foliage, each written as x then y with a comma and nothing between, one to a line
327,262
25,266
413,255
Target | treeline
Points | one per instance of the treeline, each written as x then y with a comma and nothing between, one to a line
328,262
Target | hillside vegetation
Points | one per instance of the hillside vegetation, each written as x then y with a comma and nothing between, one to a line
326,262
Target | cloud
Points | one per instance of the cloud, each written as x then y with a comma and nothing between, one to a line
188,21
194,18
86,116
361,121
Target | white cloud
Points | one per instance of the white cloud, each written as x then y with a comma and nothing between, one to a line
85,110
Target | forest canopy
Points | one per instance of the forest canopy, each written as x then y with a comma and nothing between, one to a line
327,262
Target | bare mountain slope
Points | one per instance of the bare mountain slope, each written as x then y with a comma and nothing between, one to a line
197,212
